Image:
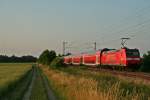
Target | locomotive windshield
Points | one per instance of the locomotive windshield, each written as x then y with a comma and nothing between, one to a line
132,53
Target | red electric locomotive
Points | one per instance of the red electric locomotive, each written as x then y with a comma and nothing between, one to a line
123,57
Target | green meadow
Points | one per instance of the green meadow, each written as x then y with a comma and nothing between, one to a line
14,80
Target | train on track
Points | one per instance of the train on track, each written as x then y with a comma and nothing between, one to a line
122,58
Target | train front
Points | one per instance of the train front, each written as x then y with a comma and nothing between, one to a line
133,58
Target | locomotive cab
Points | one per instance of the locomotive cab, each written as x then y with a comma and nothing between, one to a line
132,57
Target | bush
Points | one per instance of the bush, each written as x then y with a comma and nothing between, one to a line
57,62
146,62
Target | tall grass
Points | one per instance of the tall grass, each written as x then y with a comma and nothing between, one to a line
85,85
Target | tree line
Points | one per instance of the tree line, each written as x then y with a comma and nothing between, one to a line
15,59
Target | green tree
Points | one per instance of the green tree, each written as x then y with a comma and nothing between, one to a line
52,55
146,62
47,57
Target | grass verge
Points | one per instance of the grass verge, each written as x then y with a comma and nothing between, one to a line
78,84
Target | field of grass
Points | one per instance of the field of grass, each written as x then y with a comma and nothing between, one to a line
78,84
14,79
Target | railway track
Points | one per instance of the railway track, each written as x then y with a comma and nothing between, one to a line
138,75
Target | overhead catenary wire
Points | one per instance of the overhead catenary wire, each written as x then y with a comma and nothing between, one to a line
130,30
126,21
138,13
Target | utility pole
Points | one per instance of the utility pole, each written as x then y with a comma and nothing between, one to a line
123,41
95,46
64,47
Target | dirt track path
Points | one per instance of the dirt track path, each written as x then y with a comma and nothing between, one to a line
50,93
28,92
39,88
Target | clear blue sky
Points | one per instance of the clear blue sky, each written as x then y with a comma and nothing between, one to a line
30,26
